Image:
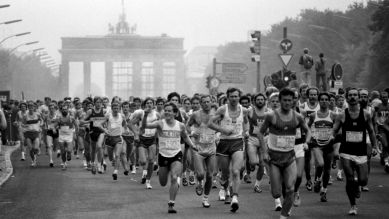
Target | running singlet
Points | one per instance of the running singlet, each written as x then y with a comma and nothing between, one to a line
282,135
256,123
125,130
51,120
97,119
322,131
115,124
32,122
232,123
169,139
354,135
310,110
205,139
66,127
382,115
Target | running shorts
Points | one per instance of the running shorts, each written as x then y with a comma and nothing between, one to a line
51,133
167,161
227,147
146,141
112,141
281,159
31,135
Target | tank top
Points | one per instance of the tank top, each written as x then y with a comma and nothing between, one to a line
322,131
115,124
206,138
282,135
151,117
125,130
51,120
354,135
169,139
32,122
310,110
232,123
96,118
382,113
65,124
256,123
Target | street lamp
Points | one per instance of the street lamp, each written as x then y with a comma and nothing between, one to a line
329,29
11,21
4,6
38,49
15,35
23,44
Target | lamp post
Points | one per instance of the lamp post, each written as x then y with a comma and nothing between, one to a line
15,35
4,6
23,44
329,29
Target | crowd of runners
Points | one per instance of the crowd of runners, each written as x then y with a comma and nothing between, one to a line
220,140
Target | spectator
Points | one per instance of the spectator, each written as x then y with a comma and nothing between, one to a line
320,67
306,62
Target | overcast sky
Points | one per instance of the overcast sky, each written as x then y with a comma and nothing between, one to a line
199,22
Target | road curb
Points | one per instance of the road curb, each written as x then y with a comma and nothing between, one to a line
8,164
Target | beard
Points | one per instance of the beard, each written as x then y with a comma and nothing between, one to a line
64,113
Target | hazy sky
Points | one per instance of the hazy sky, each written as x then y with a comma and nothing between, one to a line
200,22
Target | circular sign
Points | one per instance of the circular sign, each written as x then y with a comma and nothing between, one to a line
215,82
337,72
267,81
286,45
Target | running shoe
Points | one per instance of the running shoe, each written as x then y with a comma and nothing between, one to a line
323,197
143,181
330,181
308,185
222,195
68,156
148,184
64,166
99,169
278,204
104,166
339,176
58,153
23,157
93,169
227,201
133,171
155,167
257,189
191,180
51,164
234,204
297,200
199,189
317,186
247,178
353,210
206,203
85,164
115,176
126,172
77,156
171,209
184,181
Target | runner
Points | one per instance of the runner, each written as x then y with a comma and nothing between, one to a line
204,153
19,119
170,132
321,124
51,135
32,128
233,124
282,124
353,150
128,137
115,122
382,115
147,139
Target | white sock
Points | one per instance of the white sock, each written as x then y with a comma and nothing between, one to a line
144,173
258,182
115,172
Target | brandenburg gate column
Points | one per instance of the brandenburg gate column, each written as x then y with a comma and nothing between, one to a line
87,79
64,78
108,78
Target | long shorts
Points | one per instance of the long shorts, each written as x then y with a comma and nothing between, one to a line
227,147
146,142
206,150
167,161
112,141
31,135
281,159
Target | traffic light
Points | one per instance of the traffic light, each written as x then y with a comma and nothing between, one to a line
208,82
255,47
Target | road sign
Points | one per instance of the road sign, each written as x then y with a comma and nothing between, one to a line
285,58
338,83
234,68
267,81
337,71
215,82
286,45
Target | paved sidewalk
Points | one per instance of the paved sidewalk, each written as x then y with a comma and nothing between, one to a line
6,168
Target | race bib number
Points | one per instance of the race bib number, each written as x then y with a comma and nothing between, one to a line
237,128
115,125
149,132
207,138
354,137
170,144
98,122
298,133
286,142
322,134
51,126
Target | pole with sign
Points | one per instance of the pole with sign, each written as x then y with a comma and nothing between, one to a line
256,51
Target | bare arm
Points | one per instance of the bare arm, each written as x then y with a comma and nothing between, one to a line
216,119
370,130
3,122
191,121
337,124
185,136
304,127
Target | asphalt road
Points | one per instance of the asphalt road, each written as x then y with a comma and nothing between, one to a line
45,192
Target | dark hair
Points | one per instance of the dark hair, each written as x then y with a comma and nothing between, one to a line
232,90
160,100
173,94
205,96
147,99
115,103
95,99
244,97
173,105
125,103
186,99
194,98
286,92
257,95
312,88
348,91
324,94
303,86
47,99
